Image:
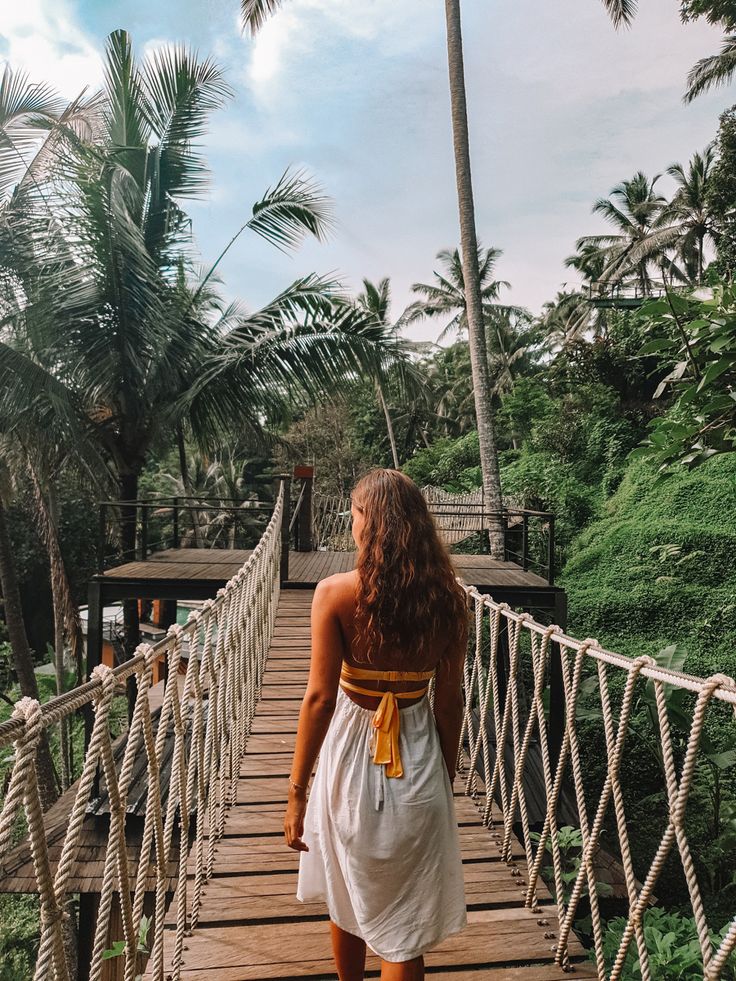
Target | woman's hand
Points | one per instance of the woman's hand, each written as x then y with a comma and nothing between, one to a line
294,819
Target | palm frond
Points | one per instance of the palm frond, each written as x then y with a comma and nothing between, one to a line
621,12
127,113
294,207
22,107
255,13
710,72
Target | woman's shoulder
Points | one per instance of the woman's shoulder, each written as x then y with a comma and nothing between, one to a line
337,589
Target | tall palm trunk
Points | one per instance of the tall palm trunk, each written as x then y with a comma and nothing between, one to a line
389,426
66,614
187,485
471,276
22,659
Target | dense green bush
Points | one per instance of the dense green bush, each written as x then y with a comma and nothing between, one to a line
453,464
658,566
655,575
542,482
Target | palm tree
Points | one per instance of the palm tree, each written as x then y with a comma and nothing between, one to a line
401,373
690,214
254,14
513,340
445,297
708,72
471,277
637,212
450,384
376,300
126,346
714,70
589,260
33,122
621,11
566,320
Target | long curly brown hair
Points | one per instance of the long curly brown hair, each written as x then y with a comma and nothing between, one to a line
407,593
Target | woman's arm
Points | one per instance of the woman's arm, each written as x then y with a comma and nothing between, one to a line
318,704
449,703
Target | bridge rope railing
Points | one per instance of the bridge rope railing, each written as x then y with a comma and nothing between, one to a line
506,725
208,717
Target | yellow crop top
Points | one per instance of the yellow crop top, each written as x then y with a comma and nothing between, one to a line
386,725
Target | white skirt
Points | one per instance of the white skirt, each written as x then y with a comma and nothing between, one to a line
384,852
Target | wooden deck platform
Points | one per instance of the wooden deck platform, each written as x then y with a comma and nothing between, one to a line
190,573
252,926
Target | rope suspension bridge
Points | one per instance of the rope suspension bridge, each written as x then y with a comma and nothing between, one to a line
194,876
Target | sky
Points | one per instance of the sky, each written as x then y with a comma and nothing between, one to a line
562,107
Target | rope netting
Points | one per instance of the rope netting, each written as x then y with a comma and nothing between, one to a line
207,711
457,516
589,761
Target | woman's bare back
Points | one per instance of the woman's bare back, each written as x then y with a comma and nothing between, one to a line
384,661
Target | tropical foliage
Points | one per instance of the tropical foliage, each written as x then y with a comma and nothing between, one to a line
124,372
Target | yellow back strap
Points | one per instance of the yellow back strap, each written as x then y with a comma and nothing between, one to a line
351,671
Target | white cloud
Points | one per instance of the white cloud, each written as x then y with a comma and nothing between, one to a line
42,38
303,26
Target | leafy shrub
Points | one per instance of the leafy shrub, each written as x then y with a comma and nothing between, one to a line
18,936
541,482
672,943
453,464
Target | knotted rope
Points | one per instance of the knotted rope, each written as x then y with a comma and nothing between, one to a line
209,720
504,718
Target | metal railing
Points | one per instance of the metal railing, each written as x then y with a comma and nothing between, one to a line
163,522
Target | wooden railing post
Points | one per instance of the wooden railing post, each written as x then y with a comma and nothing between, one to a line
176,523
551,552
144,532
101,537
304,521
94,648
525,542
556,721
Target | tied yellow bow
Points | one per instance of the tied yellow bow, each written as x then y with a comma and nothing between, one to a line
386,726
385,740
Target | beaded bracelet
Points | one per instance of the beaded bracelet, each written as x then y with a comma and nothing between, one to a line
297,786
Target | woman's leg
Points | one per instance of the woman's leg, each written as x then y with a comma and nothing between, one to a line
412,970
349,952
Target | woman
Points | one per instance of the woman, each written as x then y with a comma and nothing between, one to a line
378,834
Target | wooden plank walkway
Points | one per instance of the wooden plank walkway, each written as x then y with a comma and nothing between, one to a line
253,927
211,566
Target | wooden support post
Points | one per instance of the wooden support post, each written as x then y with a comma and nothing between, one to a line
88,906
94,647
285,521
502,664
556,721
304,518
101,537
167,617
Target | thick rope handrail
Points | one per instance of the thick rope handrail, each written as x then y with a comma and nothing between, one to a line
204,721
505,719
